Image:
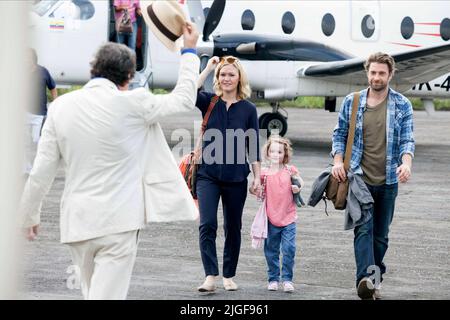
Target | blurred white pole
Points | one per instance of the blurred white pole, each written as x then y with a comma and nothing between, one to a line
13,91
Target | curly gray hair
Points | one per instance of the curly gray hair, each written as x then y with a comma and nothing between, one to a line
115,62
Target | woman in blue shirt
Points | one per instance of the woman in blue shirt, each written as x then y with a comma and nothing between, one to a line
230,143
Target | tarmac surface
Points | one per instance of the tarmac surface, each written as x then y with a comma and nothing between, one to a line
168,264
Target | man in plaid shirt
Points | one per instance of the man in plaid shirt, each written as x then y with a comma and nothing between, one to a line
382,152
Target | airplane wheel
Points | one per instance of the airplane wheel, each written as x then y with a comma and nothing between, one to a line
261,119
275,122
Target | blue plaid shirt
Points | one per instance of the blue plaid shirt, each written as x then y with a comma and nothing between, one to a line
399,132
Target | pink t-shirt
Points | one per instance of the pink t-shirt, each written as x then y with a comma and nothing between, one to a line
280,205
132,6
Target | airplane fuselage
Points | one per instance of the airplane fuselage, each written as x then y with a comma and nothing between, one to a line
66,41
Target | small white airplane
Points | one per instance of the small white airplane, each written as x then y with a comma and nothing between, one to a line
288,48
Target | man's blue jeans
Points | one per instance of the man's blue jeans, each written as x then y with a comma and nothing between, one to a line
371,238
129,39
283,237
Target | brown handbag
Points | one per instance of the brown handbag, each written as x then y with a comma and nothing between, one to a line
124,24
189,162
337,191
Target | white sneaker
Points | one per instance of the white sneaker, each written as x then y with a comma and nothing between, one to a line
377,293
273,286
288,286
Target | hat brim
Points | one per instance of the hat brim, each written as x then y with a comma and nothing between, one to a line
169,44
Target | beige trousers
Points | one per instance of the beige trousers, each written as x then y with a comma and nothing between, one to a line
105,265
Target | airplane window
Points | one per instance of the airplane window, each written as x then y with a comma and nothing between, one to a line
328,24
288,22
248,20
368,26
445,29
87,9
407,28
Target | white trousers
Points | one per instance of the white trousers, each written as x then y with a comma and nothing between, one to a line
105,265
32,133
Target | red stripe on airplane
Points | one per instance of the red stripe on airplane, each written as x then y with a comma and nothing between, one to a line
429,23
407,45
429,34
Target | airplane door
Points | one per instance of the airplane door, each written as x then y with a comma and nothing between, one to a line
365,20
66,35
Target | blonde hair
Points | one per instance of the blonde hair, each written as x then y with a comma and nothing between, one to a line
383,58
243,89
287,146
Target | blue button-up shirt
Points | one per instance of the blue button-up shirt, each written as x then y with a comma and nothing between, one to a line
231,139
399,132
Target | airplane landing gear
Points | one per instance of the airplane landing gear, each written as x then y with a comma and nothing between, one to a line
330,104
274,122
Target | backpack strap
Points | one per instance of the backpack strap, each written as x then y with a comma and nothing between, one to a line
351,132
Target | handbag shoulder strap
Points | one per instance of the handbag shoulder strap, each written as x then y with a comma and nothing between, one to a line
211,106
208,113
351,132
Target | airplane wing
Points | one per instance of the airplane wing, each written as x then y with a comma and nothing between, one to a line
416,66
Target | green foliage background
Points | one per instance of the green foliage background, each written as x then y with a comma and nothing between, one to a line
306,102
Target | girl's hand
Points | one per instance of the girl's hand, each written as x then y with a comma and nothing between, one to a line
295,189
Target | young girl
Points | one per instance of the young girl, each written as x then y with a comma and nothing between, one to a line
281,211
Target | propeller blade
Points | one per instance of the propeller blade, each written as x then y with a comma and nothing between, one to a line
213,18
196,13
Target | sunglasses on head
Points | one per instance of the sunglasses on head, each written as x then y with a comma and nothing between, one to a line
227,60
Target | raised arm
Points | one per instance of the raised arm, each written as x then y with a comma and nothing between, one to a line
184,95
212,63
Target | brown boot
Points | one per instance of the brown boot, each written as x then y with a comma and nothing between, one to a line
366,289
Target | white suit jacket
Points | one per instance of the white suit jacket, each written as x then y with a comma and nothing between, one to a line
119,170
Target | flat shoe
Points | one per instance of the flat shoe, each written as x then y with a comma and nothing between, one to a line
229,285
207,286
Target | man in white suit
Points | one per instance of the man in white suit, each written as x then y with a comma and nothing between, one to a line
119,170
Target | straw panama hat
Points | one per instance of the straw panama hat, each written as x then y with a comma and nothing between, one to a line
166,19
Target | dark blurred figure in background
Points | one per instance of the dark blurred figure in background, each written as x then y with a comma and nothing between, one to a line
40,80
